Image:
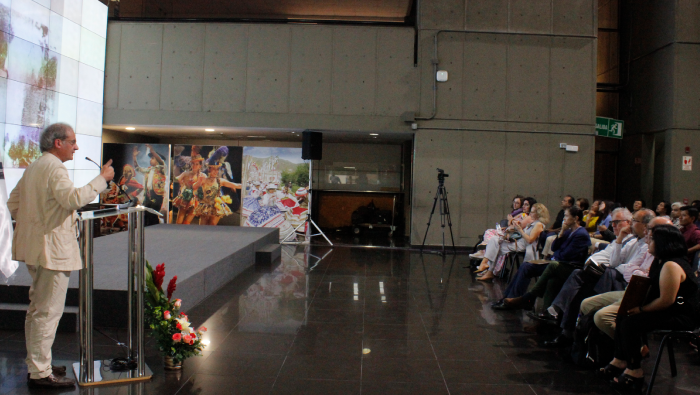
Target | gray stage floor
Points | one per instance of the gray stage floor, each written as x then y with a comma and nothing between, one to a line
202,257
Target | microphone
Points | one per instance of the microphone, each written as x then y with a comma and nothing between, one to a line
98,165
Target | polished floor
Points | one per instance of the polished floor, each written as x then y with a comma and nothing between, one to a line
359,321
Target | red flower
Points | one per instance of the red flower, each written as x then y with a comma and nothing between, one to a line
177,337
158,275
187,338
178,326
171,287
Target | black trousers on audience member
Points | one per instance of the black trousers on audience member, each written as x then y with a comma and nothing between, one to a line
629,332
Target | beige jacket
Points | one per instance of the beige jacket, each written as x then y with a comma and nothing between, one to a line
44,204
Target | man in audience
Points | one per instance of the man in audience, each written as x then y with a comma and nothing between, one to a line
582,285
691,233
676,214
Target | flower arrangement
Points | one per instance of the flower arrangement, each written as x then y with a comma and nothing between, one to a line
175,336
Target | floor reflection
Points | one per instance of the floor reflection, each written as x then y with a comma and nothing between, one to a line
354,320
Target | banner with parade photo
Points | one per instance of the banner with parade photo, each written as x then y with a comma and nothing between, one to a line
275,189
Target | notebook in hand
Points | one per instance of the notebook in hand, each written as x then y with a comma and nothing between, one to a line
635,294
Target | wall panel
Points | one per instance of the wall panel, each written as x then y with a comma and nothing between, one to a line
485,77
687,86
139,67
267,88
442,14
183,65
397,81
354,71
574,17
488,15
450,97
531,16
311,70
114,42
225,60
572,78
528,79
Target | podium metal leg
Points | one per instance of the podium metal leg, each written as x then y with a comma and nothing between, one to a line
140,289
86,283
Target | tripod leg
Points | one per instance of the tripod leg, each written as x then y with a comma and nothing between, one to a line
320,231
430,219
449,222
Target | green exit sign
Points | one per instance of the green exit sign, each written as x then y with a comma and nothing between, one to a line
608,127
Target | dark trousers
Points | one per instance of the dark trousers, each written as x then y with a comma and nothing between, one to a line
629,332
551,281
518,286
151,200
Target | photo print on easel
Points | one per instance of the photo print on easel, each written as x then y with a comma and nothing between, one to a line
276,182
141,173
206,188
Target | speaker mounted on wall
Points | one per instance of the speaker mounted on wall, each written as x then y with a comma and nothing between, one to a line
311,145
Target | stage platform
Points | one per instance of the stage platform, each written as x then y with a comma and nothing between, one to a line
203,258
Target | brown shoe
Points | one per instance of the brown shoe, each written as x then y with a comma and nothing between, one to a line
517,303
59,370
52,381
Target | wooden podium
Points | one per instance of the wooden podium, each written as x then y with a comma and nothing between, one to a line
89,372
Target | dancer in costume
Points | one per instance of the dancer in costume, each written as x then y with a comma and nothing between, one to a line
186,202
211,206
155,182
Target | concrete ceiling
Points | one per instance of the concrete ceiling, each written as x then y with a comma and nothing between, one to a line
343,10
259,134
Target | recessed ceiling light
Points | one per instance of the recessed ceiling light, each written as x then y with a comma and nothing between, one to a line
256,137
374,134
130,128
209,130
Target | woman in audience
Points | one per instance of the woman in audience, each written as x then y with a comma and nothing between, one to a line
669,304
582,203
521,213
606,207
529,230
590,218
663,209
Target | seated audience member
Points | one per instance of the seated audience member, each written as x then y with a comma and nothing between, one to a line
663,209
676,214
570,248
696,204
581,284
529,230
517,215
603,224
583,204
590,218
638,205
550,234
691,233
668,305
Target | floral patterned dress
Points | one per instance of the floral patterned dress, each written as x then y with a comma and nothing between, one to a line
210,203
186,199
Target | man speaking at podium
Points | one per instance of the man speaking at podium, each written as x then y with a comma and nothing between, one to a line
44,205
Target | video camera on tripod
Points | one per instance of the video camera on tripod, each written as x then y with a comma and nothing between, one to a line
441,175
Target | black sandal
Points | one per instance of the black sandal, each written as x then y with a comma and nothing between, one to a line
628,383
609,372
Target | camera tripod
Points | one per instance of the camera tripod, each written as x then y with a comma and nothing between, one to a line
441,195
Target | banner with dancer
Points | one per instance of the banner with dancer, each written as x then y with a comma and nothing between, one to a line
142,174
275,182
206,185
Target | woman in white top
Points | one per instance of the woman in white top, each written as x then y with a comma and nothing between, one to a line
529,230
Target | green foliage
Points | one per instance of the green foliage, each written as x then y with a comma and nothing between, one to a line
299,176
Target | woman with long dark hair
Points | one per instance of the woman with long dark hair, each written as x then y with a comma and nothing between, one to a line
669,304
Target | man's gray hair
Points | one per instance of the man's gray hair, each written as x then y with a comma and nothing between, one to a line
57,131
624,212
647,216
676,204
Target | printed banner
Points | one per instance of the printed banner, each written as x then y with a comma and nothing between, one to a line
276,182
206,185
141,173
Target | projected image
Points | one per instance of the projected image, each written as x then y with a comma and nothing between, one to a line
51,70
21,146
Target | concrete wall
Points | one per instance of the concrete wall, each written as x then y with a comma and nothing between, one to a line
504,91
250,75
509,102
661,106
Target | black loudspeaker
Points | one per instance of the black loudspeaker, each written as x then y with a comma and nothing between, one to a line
312,145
